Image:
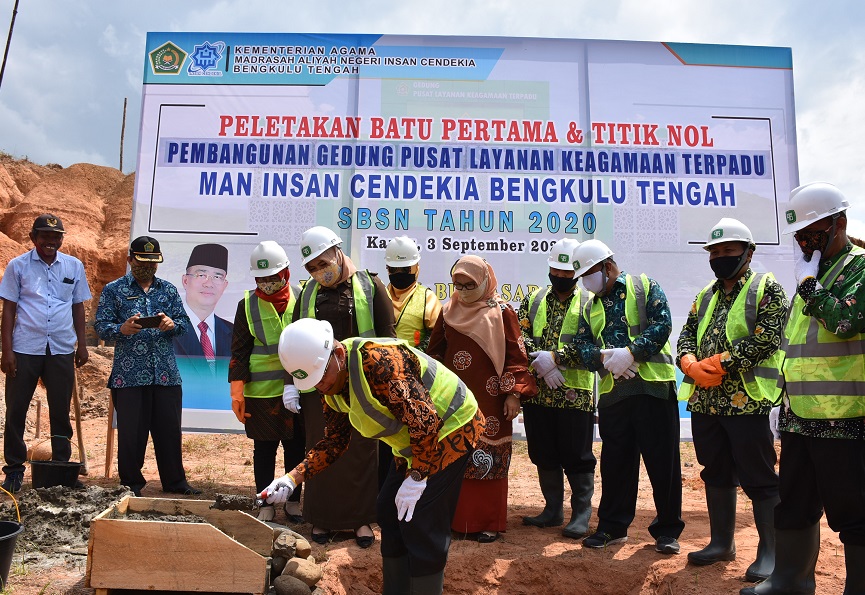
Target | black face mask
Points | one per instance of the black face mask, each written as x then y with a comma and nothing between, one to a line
401,280
726,267
562,284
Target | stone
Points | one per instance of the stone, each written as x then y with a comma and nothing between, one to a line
309,572
285,545
277,565
288,585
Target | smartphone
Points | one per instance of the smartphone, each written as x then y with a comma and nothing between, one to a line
149,321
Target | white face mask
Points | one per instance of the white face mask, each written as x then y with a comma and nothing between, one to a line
468,296
595,282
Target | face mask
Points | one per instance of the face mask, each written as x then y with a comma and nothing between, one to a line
143,273
596,282
328,275
562,284
727,267
810,241
468,296
402,280
271,287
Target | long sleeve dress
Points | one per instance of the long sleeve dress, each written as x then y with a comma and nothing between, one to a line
483,498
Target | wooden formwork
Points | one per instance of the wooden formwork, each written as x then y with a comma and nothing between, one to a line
228,554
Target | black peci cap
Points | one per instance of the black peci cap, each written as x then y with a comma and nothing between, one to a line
48,222
145,249
209,255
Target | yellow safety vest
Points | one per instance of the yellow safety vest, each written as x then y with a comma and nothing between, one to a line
761,381
454,402
410,325
363,292
824,374
267,376
659,368
579,378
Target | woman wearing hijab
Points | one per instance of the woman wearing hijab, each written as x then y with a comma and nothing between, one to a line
356,304
257,394
478,337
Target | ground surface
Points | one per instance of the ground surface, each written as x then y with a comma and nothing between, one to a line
51,554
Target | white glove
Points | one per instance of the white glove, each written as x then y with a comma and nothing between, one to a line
554,377
543,362
804,269
291,398
631,371
279,490
773,422
407,496
617,360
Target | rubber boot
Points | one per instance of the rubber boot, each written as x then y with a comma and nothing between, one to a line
431,584
721,503
396,575
582,489
854,557
764,520
553,488
795,561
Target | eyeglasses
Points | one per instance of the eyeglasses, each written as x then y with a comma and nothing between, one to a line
326,366
465,286
217,278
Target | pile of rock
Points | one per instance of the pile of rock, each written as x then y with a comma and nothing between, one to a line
293,569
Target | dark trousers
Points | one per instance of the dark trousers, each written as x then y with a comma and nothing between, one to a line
736,450
427,538
58,375
647,426
818,473
264,461
155,411
560,438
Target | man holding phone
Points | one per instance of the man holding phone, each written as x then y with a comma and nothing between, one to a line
142,314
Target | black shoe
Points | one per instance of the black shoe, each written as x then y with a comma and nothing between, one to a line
667,545
184,490
487,536
13,482
78,485
322,538
364,541
601,539
292,518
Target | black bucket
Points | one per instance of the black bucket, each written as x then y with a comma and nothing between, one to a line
8,536
46,474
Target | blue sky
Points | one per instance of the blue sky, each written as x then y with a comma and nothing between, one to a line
72,63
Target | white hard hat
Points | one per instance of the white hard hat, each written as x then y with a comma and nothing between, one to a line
304,348
316,240
562,255
268,258
590,253
401,252
729,230
812,202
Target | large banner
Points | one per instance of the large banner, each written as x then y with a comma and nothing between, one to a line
483,145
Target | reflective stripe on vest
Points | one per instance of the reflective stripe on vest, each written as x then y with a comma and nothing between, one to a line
363,292
659,367
579,378
267,376
411,317
454,402
824,375
761,381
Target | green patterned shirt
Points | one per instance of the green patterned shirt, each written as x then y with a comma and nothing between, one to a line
840,310
564,397
730,398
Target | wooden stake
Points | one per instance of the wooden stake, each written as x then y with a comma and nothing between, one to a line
77,395
109,441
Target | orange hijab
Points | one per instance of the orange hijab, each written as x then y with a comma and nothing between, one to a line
481,320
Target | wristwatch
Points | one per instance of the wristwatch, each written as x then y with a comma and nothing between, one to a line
415,475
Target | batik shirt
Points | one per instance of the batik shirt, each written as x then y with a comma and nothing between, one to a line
147,357
409,402
563,397
841,310
615,334
730,398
